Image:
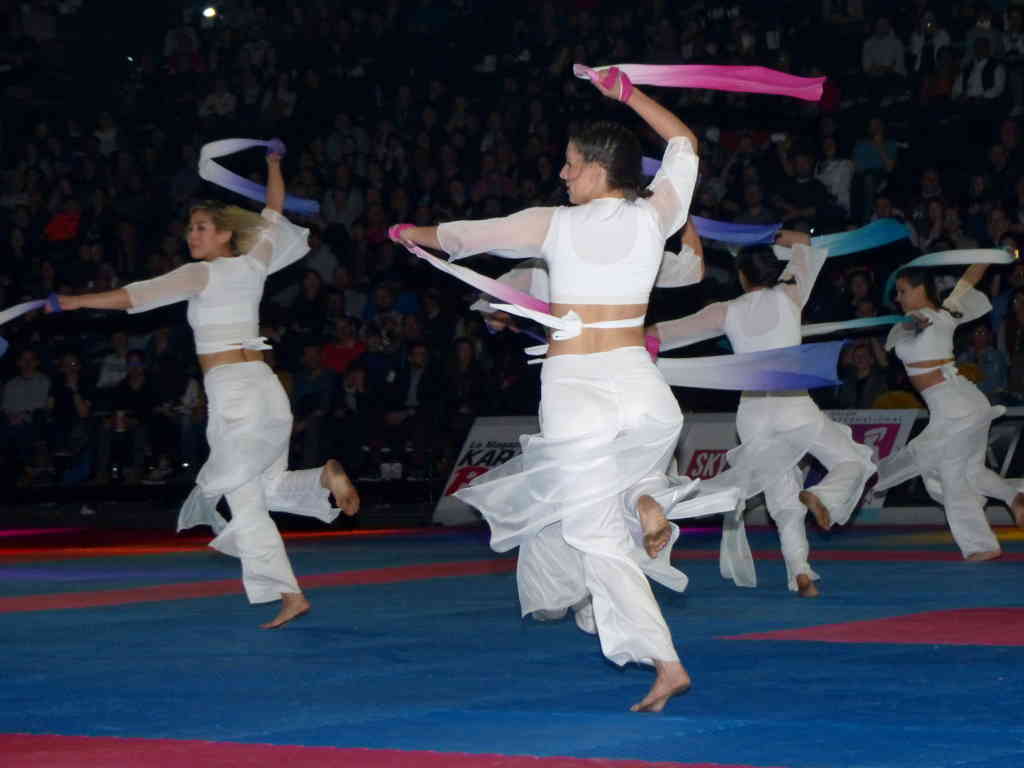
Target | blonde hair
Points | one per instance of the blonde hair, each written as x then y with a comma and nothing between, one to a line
245,226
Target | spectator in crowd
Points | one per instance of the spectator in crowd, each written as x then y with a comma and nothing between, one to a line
863,381
345,349
123,445
991,362
70,404
882,61
311,402
25,405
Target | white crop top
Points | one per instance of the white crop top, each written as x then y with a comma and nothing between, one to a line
224,294
935,342
607,251
768,318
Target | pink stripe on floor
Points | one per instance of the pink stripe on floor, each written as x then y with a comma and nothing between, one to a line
189,590
965,626
21,750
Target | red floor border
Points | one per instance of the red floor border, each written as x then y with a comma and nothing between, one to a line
55,751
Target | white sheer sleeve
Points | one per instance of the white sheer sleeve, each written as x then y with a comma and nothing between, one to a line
700,326
673,185
177,285
679,269
968,301
518,236
804,265
281,243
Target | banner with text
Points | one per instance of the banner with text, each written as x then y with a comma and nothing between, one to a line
491,442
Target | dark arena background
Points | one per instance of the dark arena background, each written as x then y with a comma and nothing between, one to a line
124,643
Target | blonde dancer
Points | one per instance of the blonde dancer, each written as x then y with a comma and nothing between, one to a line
250,418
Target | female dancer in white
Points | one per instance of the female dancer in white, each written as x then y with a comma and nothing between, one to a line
580,500
777,429
250,418
950,452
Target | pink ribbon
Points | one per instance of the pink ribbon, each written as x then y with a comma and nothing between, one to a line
489,285
716,77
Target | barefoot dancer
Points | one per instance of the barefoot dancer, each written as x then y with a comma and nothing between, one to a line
950,452
777,429
579,502
250,418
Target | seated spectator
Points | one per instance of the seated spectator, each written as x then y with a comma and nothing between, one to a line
122,450
882,60
70,405
354,299
314,391
835,172
863,381
410,406
308,311
803,200
981,84
321,258
339,354
25,407
874,157
350,423
466,390
990,361
114,366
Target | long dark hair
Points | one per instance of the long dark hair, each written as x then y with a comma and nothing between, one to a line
758,264
617,150
916,276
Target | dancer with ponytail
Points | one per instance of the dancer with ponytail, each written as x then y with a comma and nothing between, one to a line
250,419
580,502
777,429
950,453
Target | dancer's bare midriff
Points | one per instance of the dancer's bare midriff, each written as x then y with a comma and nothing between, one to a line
208,362
593,340
923,381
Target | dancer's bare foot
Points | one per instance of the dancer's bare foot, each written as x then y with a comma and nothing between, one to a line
657,530
293,605
1017,507
334,479
672,680
816,508
805,586
978,557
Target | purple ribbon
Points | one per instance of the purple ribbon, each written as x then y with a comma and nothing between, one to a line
738,234
217,174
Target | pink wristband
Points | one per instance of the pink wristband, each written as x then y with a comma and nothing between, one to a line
395,231
625,84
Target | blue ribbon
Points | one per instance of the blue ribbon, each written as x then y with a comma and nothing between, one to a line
738,234
217,174
960,257
805,366
880,232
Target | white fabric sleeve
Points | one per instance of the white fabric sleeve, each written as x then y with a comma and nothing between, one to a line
679,269
706,324
177,285
282,243
804,265
673,185
518,236
968,301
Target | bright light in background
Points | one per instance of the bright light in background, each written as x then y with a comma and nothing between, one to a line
209,12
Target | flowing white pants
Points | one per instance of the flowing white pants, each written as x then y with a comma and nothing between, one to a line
776,433
949,454
249,429
609,426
